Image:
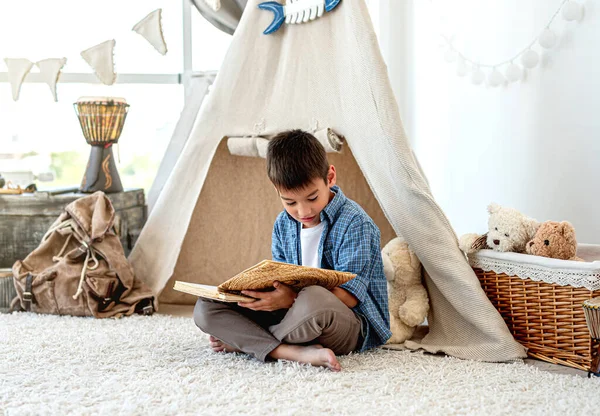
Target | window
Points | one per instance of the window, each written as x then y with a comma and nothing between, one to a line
40,136
41,140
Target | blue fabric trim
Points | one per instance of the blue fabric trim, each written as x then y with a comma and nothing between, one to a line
331,4
279,17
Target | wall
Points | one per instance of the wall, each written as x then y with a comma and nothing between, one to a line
533,145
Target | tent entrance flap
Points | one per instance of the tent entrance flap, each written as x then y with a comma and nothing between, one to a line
230,229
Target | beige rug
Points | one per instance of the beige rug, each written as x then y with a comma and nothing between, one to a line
161,365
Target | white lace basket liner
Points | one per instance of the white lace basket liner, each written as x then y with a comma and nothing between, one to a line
542,269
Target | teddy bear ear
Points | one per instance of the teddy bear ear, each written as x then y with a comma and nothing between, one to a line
493,207
387,247
566,228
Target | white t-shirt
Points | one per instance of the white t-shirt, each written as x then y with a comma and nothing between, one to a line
309,240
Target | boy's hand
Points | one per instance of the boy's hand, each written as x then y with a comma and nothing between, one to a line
281,298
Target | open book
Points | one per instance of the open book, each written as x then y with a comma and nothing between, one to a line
261,277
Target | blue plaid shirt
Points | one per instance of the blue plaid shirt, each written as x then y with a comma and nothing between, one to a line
350,243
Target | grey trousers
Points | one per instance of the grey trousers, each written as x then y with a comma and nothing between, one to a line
316,317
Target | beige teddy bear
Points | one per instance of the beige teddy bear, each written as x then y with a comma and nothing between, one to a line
508,230
408,300
555,240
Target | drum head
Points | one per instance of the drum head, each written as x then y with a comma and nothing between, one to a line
101,100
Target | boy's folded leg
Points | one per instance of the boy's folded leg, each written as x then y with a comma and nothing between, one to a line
236,328
318,316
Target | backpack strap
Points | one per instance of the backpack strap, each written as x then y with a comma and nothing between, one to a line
27,294
71,228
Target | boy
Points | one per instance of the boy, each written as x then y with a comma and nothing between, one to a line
319,227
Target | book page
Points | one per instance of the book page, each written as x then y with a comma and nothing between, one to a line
210,292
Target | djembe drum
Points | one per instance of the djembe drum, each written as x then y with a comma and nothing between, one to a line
101,120
591,308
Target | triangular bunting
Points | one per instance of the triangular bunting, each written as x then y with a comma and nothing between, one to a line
50,72
100,58
150,27
18,68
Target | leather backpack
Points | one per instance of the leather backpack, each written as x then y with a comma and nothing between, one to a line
80,268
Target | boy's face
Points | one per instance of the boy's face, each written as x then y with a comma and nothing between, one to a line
305,205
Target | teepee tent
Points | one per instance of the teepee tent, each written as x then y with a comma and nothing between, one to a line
215,214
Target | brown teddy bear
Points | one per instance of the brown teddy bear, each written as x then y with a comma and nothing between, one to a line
555,240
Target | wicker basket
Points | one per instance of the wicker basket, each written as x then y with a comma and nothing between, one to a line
546,318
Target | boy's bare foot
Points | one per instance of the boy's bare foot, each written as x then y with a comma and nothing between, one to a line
313,354
217,345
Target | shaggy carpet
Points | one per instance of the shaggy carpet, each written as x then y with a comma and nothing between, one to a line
162,365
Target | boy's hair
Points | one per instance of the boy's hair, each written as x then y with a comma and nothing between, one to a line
294,159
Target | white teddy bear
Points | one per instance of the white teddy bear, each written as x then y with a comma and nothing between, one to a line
408,300
508,230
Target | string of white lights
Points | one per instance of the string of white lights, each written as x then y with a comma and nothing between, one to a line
510,70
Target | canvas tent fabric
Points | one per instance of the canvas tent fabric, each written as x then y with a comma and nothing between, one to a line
198,86
325,73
